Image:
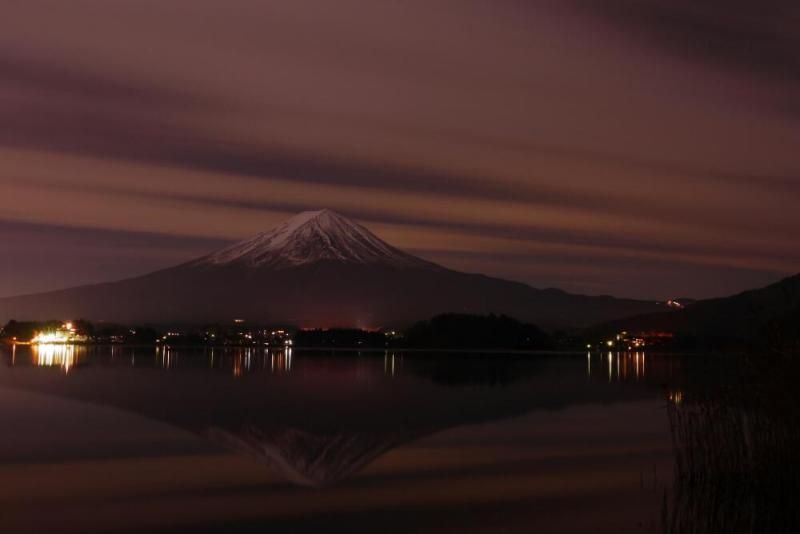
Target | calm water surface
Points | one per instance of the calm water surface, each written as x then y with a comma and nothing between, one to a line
105,439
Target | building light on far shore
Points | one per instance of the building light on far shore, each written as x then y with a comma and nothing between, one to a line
50,338
65,334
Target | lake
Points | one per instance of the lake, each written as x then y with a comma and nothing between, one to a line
117,439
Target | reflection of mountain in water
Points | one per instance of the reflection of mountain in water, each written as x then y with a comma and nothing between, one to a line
306,458
330,416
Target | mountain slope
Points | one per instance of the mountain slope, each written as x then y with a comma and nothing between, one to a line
742,316
318,269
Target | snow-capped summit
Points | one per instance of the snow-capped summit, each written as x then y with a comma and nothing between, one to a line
310,237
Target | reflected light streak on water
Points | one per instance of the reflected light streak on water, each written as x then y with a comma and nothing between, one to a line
618,365
47,355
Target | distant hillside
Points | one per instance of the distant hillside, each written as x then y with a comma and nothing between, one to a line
740,317
784,332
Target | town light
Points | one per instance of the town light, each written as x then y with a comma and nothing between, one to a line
48,338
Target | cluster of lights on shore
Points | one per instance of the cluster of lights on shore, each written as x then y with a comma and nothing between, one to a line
623,341
624,352
631,342
629,350
55,348
64,335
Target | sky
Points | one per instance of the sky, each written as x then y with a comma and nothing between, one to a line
640,148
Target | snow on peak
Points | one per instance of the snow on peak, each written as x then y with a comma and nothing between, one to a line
310,237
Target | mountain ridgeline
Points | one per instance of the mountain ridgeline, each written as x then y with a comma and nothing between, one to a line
318,269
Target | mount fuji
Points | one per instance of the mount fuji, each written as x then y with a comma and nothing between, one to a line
317,269
313,237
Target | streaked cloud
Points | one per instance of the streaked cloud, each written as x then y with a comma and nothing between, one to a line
755,38
486,136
